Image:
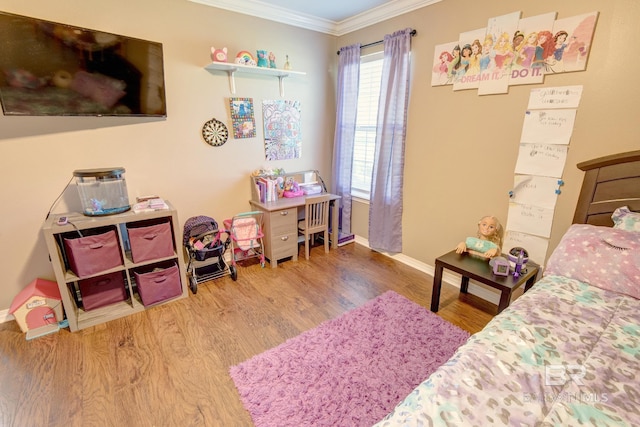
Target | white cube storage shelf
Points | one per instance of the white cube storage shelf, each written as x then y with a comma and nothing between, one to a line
146,242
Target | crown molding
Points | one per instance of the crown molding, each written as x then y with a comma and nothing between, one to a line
287,16
274,13
379,14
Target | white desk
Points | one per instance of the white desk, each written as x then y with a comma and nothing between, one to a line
280,226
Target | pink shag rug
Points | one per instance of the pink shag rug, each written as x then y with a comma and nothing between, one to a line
348,371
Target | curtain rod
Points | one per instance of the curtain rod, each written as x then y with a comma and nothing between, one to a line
413,33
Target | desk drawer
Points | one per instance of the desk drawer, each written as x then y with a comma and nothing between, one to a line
283,222
284,245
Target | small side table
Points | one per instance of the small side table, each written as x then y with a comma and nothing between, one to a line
471,267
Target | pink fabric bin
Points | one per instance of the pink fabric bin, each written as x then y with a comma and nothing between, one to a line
102,290
150,242
159,284
92,254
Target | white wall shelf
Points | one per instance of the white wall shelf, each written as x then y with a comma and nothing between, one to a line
231,69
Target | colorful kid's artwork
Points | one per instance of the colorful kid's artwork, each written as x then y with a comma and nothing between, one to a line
282,129
243,118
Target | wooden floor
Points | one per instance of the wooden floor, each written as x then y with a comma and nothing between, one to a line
168,366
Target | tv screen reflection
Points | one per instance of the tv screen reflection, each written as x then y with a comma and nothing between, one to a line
52,69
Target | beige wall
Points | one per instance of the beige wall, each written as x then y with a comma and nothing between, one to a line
461,147
167,157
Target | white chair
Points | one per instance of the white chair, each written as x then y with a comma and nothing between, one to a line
316,220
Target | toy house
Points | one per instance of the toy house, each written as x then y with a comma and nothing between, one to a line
37,305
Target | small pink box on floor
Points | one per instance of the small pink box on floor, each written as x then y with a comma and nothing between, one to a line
92,254
150,242
159,284
103,290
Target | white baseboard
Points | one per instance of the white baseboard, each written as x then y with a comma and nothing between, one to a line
5,316
453,279
450,278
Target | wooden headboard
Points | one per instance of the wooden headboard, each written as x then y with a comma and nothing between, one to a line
609,182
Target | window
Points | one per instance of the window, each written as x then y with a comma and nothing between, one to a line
366,122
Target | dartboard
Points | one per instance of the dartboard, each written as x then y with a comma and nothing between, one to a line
215,132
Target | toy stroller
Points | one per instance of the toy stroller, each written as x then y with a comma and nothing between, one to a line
245,230
206,245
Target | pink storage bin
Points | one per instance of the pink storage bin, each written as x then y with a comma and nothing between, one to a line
159,284
150,242
102,290
92,254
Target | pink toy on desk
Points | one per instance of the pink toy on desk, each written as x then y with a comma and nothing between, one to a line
292,189
291,193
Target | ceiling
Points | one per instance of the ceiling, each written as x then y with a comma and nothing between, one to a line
336,17
331,10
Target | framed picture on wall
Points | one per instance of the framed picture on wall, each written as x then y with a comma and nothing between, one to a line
513,50
243,117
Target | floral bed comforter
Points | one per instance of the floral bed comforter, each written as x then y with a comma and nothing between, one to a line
564,354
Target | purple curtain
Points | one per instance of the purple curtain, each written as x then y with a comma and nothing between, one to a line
385,206
348,81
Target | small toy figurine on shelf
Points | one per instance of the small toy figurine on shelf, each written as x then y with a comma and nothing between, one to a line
272,60
488,242
219,55
245,58
262,58
287,65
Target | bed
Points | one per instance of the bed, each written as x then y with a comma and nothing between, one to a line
566,353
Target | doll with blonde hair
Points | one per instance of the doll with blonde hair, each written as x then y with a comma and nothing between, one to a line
488,242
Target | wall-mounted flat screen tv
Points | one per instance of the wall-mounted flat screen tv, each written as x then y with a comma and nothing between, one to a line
52,69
